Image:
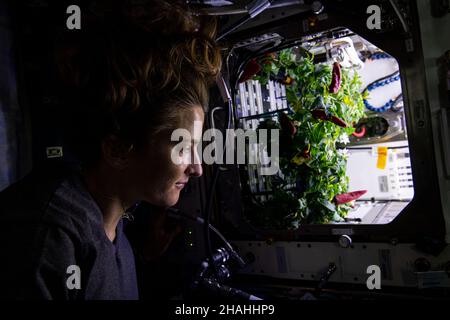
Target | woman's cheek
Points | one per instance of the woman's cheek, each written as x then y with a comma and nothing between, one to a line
179,156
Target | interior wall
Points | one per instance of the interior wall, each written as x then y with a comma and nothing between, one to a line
436,41
10,113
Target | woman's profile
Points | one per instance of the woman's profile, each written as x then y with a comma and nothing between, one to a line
130,77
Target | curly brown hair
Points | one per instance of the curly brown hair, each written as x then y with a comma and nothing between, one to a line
132,68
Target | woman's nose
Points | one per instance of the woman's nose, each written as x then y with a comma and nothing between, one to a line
195,167
195,170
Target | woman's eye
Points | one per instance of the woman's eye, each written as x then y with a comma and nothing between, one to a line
185,148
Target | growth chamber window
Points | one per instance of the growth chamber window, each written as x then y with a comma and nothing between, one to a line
343,147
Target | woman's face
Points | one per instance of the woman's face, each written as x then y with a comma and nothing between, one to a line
153,176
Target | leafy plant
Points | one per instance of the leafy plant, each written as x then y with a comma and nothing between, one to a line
313,168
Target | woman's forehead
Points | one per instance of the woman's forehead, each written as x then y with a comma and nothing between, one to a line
190,117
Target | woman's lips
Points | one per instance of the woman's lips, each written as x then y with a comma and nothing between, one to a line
180,185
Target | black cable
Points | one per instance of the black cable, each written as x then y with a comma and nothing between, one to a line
370,148
253,11
207,218
397,100
381,79
177,213
208,208
234,26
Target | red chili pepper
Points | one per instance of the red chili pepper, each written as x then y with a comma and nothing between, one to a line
268,58
306,153
250,70
319,114
270,54
287,125
335,78
361,133
347,197
338,121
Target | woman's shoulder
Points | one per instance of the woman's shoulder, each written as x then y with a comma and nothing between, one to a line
52,196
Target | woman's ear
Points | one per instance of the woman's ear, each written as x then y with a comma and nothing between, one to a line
116,151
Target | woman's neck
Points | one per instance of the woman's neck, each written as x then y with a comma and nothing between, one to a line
104,189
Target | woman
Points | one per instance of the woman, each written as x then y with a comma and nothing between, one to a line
129,78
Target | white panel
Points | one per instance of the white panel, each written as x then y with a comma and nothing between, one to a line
308,260
271,89
390,183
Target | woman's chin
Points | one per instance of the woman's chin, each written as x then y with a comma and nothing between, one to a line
171,200
168,199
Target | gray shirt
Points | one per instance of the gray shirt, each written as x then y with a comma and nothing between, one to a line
49,235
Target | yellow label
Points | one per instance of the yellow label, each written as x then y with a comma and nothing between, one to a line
382,157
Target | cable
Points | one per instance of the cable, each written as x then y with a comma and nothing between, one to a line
370,148
255,8
207,218
400,16
209,202
220,11
395,76
234,26
380,55
380,80
177,213
397,101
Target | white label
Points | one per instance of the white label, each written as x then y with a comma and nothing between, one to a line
54,152
383,183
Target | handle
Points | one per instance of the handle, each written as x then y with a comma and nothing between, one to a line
445,142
